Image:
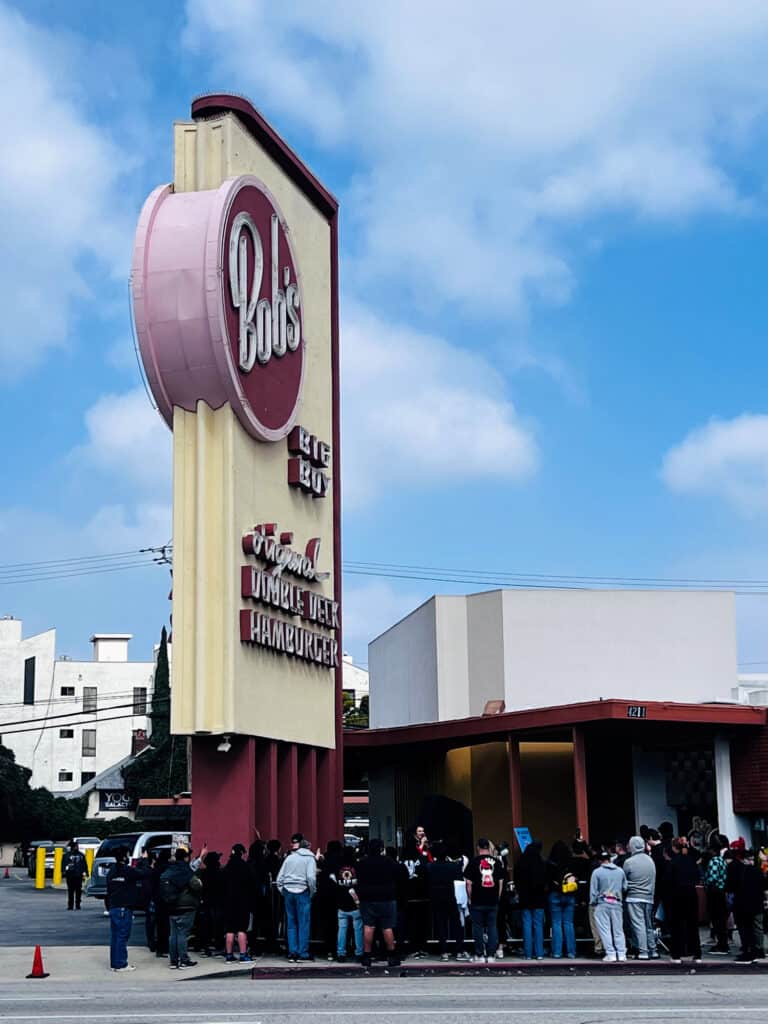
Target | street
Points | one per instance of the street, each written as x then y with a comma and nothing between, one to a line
242,1001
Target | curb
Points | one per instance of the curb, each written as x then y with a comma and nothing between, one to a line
514,969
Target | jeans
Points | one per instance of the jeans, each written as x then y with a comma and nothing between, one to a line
297,913
751,933
684,924
120,921
74,892
609,919
181,926
641,926
484,924
447,925
345,916
561,907
533,933
718,916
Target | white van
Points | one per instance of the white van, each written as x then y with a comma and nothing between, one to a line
136,843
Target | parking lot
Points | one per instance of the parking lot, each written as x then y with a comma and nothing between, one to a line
29,916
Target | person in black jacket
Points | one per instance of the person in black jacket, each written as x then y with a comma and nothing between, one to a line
162,917
377,879
530,876
120,901
562,904
682,878
75,870
749,885
442,874
181,889
237,898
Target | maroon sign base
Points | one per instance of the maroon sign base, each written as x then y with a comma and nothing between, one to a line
265,789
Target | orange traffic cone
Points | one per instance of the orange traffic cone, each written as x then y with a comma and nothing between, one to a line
7,873
37,965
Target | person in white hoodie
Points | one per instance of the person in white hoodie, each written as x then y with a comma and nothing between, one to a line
296,882
641,883
606,895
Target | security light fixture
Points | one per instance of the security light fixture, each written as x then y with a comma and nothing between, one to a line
225,746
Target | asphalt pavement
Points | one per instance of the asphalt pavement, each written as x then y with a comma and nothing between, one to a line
124,1000
29,916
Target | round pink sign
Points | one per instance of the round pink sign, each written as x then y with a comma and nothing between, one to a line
217,304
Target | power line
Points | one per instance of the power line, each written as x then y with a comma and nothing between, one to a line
94,711
48,562
64,700
42,728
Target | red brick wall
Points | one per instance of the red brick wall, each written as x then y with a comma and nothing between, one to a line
749,771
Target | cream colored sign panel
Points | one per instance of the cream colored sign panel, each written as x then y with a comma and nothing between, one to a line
227,485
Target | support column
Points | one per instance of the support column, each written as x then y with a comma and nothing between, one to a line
732,824
224,788
266,788
515,784
288,790
308,794
580,781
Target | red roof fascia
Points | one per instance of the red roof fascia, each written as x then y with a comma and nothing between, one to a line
499,726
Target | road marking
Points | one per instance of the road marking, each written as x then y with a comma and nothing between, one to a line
580,1011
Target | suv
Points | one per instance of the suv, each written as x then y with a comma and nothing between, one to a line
136,843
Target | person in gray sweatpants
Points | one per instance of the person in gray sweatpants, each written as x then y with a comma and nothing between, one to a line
641,883
606,895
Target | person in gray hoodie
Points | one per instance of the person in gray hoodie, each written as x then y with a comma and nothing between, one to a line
641,884
606,895
296,881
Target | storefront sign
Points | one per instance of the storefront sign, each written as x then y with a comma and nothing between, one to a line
239,336
115,800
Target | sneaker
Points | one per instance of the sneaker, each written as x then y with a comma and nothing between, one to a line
292,958
230,958
743,959
675,960
393,961
246,959
654,956
643,956
697,960
173,966
463,957
719,951
128,967
365,961
479,960
539,957
621,959
341,959
609,958
499,954
187,963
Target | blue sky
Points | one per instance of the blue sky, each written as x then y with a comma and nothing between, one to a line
553,286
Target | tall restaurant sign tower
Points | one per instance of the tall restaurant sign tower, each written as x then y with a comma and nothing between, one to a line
235,294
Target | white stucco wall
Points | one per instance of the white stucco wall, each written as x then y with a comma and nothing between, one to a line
403,664
44,750
540,648
562,647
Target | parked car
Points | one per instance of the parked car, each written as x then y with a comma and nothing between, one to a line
136,843
87,843
32,856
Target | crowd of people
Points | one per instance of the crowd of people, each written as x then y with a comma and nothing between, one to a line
640,898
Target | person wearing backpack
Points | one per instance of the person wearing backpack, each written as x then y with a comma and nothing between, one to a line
562,886
180,888
75,870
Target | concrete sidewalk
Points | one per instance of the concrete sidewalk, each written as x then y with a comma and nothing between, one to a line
91,963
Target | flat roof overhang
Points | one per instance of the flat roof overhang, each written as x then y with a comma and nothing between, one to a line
556,722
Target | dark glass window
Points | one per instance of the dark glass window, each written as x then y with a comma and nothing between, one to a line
29,680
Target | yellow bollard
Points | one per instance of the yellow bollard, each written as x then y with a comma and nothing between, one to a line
58,856
89,855
40,867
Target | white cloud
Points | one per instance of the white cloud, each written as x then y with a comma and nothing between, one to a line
478,130
58,205
128,439
727,459
417,410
